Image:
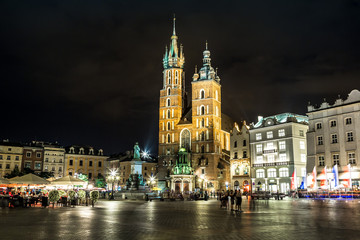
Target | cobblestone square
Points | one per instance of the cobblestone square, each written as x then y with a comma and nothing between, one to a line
287,219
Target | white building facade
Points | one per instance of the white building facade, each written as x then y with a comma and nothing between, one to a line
278,147
54,160
240,157
334,139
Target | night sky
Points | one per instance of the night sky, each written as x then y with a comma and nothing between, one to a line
89,72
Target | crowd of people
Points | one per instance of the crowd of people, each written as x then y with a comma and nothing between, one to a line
230,200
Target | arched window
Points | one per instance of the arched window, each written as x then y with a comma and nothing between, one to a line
168,126
169,91
202,122
271,172
202,110
176,77
216,95
185,138
202,148
168,113
168,138
260,173
168,102
202,136
169,77
202,93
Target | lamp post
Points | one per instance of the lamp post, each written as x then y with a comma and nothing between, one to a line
112,178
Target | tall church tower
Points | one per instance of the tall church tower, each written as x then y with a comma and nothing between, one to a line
206,119
171,104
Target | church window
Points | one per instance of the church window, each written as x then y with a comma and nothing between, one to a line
168,102
207,147
202,122
207,134
168,113
168,126
169,77
202,148
202,136
185,138
202,93
202,110
176,77
169,91
216,95
207,122
168,138
197,136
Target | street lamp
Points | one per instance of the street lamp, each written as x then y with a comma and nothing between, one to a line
112,178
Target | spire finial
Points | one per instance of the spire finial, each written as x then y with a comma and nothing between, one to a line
195,68
206,45
174,19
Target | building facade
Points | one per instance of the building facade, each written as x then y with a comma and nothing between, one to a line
333,139
240,161
278,149
197,127
33,157
85,160
11,155
54,159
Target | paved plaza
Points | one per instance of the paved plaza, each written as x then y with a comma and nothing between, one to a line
265,220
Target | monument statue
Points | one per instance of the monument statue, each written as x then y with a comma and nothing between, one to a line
136,151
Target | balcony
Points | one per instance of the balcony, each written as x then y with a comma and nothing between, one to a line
268,151
271,164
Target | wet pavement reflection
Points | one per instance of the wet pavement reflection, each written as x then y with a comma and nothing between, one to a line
261,219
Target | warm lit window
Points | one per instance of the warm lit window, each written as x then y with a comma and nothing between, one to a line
271,172
259,159
269,134
282,145
283,172
271,158
259,148
281,132
260,173
258,136
282,157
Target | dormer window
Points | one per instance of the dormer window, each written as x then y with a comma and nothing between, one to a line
81,151
91,151
101,152
72,150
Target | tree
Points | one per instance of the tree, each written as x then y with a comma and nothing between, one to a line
94,196
14,173
100,181
54,196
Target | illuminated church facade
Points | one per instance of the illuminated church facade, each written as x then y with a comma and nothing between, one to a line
195,135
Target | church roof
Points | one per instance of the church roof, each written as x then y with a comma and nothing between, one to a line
186,117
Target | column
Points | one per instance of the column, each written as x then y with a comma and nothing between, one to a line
266,184
278,184
182,185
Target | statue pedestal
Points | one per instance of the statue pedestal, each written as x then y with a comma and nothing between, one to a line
136,166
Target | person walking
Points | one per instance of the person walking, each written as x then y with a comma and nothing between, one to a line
238,201
232,199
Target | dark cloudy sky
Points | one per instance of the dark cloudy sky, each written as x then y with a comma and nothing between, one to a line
90,71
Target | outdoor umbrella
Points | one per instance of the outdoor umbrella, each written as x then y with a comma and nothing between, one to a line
29,179
68,180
